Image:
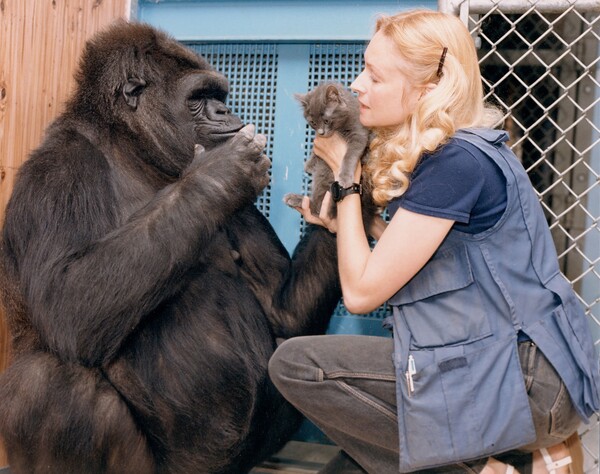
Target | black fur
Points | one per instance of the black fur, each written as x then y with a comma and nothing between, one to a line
144,291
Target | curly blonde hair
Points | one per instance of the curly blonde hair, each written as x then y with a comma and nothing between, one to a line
420,37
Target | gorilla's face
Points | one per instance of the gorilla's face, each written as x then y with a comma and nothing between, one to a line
198,100
146,85
213,121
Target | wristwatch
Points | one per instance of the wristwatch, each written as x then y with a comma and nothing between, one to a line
338,193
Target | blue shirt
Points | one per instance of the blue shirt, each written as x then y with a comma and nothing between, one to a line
456,182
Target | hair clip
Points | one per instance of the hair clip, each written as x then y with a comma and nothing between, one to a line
441,65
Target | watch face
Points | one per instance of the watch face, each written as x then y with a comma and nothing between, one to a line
336,191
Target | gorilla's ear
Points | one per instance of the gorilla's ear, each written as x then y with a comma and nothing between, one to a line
132,90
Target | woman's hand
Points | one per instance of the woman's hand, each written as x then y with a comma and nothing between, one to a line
331,150
323,218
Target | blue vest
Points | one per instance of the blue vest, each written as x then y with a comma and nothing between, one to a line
460,390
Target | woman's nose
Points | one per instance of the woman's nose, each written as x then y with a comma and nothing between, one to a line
356,85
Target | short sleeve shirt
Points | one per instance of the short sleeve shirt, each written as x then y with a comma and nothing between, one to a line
457,182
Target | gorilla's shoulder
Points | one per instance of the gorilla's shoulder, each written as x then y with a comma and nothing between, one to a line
66,159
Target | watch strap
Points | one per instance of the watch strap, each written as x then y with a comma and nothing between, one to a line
338,192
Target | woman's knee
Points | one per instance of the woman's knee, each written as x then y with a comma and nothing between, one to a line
290,365
278,364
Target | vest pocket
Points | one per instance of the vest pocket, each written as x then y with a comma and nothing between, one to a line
442,304
465,405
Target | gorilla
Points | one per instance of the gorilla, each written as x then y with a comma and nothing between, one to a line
144,291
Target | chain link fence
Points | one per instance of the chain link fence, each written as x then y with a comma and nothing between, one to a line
540,61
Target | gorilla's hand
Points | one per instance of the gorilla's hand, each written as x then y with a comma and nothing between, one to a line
251,160
239,166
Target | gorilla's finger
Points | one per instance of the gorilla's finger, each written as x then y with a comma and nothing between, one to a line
264,182
264,164
248,131
198,150
262,172
261,182
260,141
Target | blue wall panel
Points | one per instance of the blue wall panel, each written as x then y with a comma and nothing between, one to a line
270,20
288,149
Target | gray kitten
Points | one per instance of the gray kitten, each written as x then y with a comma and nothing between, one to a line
330,108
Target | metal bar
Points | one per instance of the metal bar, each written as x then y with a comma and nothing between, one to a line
518,6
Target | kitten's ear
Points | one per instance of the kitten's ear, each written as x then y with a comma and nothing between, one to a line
332,93
335,97
301,98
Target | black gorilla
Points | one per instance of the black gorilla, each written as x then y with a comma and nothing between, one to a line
144,290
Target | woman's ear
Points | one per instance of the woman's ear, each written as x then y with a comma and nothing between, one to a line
427,89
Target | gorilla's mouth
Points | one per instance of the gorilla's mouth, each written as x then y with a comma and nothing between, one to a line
230,132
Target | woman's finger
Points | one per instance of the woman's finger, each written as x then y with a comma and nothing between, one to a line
324,216
306,213
330,149
324,211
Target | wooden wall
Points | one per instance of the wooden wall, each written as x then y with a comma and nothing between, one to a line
40,42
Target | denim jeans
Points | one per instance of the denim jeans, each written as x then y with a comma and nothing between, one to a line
346,386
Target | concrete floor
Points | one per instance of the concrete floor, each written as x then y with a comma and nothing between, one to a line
297,457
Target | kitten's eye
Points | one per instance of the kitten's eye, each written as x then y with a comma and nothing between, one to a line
326,121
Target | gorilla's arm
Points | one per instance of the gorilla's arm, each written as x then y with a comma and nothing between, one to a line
310,288
297,294
87,275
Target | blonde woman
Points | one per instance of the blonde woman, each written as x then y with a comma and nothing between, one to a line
490,355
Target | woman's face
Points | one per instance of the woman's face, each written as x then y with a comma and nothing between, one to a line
385,94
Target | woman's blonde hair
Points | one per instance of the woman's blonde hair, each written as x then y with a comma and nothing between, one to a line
420,37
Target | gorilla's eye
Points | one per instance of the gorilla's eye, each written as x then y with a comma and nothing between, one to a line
207,94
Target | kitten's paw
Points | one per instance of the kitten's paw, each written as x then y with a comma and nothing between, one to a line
293,200
346,180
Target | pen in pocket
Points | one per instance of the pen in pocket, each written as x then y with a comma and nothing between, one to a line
412,370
